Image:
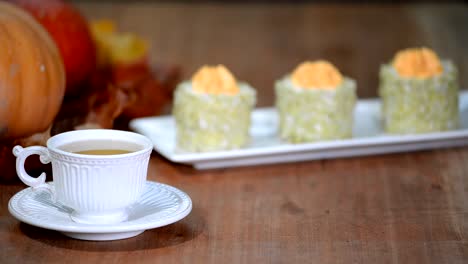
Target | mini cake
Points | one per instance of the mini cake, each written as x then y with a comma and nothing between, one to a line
419,93
315,102
212,111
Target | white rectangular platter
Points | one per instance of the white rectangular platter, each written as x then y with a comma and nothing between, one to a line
266,147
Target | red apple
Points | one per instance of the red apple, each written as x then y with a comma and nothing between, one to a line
71,33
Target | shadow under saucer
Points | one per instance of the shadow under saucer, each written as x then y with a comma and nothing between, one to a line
177,233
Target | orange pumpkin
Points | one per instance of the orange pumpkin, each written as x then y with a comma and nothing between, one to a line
32,76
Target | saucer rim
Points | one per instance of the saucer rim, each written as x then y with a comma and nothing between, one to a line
185,207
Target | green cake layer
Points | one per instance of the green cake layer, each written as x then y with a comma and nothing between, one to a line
308,115
411,105
209,122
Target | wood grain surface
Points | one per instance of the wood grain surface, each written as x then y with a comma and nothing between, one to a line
399,208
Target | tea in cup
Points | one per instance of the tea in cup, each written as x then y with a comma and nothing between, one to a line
98,173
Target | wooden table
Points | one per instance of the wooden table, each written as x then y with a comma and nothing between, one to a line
401,208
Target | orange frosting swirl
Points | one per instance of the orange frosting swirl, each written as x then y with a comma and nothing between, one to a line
319,74
417,63
214,80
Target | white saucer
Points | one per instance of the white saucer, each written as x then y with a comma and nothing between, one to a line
158,206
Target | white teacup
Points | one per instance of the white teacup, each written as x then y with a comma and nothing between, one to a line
99,188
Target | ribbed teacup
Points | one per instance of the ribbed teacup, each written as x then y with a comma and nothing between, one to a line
99,188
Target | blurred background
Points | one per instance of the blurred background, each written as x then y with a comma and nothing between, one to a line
262,40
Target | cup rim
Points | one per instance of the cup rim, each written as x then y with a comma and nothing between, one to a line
145,142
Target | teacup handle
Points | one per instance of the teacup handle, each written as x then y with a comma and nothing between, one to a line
21,155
